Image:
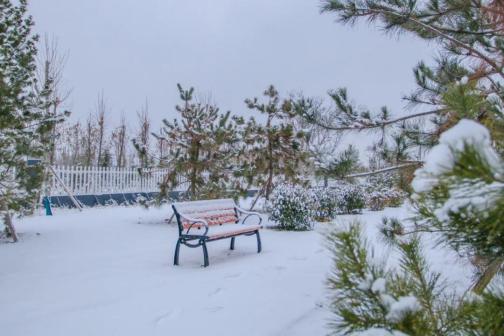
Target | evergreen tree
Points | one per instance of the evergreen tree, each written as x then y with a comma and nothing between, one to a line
202,147
340,166
464,81
459,191
273,150
369,299
460,200
24,125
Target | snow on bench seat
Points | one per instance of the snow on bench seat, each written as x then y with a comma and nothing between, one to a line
231,230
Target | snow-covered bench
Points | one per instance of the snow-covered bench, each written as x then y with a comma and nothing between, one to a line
200,222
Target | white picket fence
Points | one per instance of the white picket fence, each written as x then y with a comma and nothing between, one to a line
104,180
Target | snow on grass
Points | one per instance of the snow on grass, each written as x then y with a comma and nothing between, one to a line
108,271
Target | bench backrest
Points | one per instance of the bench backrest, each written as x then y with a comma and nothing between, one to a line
215,212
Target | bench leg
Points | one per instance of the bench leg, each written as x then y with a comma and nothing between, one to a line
205,255
231,247
259,246
177,250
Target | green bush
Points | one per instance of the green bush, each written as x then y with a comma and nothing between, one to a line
350,198
326,204
292,207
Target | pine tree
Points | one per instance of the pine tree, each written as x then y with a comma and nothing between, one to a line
24,123
345,163
459,191
464,81
274,150
369,299
202,147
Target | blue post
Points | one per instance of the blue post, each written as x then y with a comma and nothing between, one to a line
47,206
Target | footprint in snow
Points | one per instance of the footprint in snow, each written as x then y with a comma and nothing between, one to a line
214,309
215,292
232,275
170,315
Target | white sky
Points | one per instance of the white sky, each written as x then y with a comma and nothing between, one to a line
231,49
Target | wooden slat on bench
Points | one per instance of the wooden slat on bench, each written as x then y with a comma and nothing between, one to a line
234,232
215,212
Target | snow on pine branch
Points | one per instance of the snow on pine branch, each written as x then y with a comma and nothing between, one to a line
344,116
366,124
443,157
462,182
385,170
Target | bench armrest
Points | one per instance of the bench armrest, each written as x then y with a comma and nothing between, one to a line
249,214
195,221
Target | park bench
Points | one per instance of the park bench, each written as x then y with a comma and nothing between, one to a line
200,222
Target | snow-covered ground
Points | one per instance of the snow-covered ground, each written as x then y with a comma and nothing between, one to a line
108,271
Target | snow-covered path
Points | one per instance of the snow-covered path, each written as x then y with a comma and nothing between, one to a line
109,272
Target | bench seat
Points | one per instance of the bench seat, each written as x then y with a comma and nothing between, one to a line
230,230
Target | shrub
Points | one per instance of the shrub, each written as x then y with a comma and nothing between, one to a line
379,199
381,192
292,207
350,198
326,203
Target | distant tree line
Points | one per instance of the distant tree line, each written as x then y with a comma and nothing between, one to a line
96,141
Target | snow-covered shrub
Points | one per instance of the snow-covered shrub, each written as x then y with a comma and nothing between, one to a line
292,207
380,199
326,203
350,198
381,192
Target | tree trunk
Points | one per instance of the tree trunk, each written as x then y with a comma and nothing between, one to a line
257,198
194,173
11,231
270,163
491,270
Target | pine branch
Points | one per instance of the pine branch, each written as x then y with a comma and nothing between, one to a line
385,170
377,124
436,31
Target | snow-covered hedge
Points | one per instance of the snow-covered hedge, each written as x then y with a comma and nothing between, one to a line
326,203
292,207
381,192
380,199
350,197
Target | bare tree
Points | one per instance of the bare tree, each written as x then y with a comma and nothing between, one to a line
69,145
50,68
119,140
142,140
88,140
101,111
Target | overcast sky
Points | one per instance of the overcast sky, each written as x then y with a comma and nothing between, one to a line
133,50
